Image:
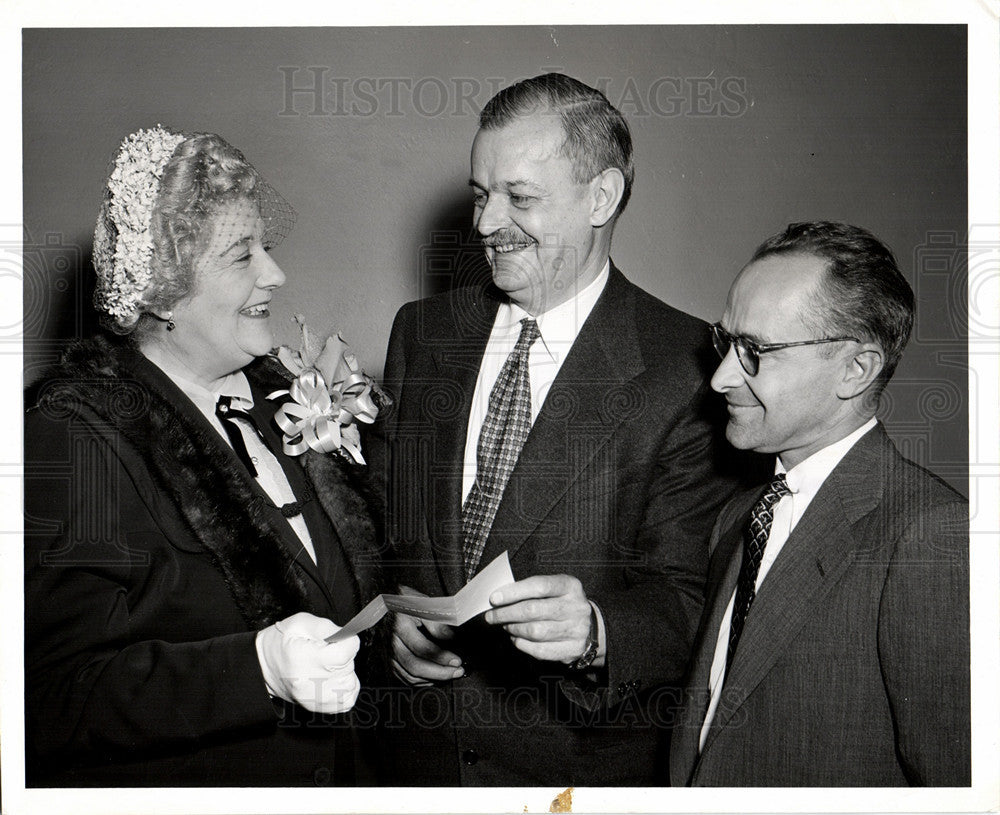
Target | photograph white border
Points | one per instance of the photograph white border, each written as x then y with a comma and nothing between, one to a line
983,19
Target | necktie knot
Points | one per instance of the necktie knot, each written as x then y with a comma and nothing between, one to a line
776,490
529,333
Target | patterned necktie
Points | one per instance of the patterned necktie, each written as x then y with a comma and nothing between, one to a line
505,428
754,540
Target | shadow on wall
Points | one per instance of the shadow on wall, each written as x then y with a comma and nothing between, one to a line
59,282
452,256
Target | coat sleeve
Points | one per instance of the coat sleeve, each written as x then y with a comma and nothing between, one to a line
923,640
652,619
123,650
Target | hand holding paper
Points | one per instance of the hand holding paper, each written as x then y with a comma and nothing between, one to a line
472,599
300,665
421,622
417,656
547,616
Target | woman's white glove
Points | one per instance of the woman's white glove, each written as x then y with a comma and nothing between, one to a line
300,667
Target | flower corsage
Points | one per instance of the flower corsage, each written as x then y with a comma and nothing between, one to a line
329,395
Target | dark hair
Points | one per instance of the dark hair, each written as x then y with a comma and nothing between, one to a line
862,293
597,135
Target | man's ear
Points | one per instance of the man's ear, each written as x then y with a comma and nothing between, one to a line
861,370
607,188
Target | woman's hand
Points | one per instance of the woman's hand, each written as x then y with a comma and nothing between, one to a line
300,667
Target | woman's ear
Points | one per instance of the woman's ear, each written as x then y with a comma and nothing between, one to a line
607,188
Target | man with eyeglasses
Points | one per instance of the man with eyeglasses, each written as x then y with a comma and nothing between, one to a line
834,646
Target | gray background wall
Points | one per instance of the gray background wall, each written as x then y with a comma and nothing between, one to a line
738,130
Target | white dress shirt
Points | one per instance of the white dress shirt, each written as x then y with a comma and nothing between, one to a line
270,476
558,327
804,481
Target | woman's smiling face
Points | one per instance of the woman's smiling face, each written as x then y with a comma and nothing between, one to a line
224,323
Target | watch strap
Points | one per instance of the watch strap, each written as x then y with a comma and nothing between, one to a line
589,654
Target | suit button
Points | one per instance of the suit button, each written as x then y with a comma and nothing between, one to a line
622,689
470,757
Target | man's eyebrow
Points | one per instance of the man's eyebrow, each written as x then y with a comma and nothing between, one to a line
746,335
525,183
520,182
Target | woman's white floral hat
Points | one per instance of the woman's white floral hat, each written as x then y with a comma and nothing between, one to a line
123,245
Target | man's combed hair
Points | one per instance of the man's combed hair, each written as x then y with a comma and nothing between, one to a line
863,293
597,135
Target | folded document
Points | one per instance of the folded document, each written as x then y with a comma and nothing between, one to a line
471,599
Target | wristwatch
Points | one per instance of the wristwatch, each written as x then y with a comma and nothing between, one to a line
590,649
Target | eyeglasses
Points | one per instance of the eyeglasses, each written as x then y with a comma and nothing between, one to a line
748,352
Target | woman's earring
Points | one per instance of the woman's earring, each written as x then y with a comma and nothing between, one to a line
171,325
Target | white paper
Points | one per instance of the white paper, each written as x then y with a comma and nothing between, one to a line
472,599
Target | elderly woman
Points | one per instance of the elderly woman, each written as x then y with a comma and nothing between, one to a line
182,572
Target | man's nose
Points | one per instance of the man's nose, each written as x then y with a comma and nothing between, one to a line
492,215
729,374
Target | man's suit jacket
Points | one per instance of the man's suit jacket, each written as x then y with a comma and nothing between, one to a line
853,666
617,484
151,560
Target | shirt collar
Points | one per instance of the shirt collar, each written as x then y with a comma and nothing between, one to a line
559,326
234,385
807,476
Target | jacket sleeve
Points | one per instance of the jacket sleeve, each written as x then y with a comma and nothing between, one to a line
122,650
925,666
652,619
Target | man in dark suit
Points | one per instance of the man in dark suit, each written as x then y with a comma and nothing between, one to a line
834,647
558,415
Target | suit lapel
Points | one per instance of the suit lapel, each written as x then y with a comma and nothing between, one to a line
456,363
723,573
814,557
263,414
267,522
604,357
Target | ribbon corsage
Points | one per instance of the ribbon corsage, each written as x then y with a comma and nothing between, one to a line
328,396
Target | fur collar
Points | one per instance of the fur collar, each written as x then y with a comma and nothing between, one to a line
215,499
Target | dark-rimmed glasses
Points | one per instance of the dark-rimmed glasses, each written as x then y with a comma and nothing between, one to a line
748,352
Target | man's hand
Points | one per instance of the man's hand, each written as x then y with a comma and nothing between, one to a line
417,658
547,616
